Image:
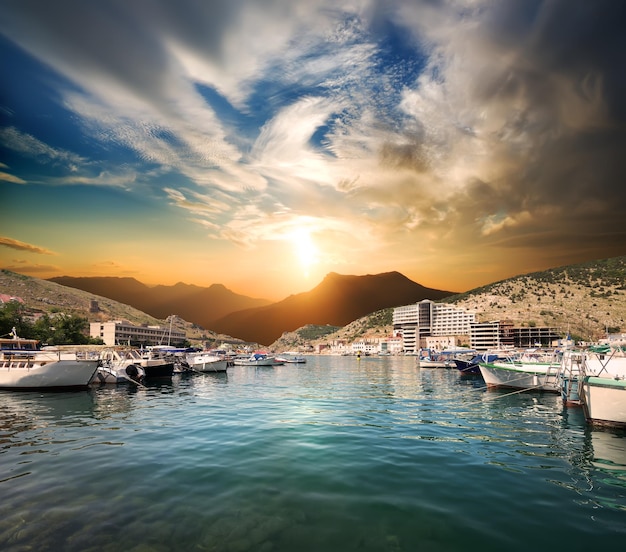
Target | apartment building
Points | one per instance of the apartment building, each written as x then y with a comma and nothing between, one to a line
420,320
501,334
122,332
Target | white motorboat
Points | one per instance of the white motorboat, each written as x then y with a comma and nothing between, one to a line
540,374
428,358
290,357
154,364
256,359
120,373
206,361
602,386
24,366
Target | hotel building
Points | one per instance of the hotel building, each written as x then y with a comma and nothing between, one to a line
425,319
122,332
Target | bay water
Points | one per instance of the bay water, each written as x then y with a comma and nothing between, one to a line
338,454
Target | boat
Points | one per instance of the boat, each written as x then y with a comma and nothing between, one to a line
111,373
25,366
206,361
429,358
602,386
526,372
256,359
290,357
154,364
469,364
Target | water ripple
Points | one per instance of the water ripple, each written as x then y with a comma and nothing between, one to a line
337,454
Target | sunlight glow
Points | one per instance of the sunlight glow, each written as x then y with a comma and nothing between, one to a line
306,251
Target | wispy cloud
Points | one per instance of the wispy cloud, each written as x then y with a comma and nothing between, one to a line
22,246
6,177
13,139
30,268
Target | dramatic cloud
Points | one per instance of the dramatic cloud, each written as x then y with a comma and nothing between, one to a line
407,129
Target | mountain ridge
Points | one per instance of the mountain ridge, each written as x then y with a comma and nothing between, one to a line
587,299
200,305
336,301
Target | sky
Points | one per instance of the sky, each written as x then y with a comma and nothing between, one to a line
262,144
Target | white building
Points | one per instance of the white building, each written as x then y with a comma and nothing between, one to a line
366,346
425,319
122,332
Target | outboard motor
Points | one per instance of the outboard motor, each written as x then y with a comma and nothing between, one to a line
133,372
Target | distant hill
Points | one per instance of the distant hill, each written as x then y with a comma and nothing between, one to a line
44,296
337,301
197,304
586,300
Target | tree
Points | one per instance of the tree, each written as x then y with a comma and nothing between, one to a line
69,330
42,329
13,315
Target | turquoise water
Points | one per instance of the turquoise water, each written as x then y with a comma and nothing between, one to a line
337,454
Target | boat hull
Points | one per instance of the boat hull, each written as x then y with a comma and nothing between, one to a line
161,370
535,377
291,360
256,360
269,362
47,374
425,363
208,364
467,366
132,373
604,400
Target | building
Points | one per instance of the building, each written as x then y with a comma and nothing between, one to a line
502,334
485,336
425,319
4,299
122,332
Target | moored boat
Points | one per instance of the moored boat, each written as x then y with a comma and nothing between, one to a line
109,373
290,357
153,364
523,373
428,358
206,361
469,364
256,359
23,365
602,386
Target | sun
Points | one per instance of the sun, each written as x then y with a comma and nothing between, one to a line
305,249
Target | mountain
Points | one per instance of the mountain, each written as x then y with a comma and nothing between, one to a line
44,296
337,301
199,305
586,300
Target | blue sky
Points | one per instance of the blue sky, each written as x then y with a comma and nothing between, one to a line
263,144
